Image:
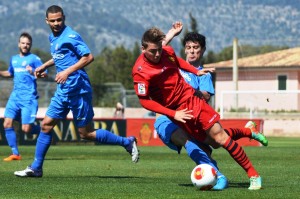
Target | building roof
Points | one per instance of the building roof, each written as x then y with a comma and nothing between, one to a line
288,57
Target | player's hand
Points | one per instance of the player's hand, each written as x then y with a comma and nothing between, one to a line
61,77
211,70
183,115
39,72
205,70
176,28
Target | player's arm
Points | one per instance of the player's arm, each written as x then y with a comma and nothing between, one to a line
174,31
190,68
83,62
5,74
40,72
180,115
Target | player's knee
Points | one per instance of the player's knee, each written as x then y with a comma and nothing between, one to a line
7,124
87,135
179,137
218,135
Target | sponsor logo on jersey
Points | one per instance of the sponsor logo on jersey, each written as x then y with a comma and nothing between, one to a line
18,70
24,63
141,89
57,56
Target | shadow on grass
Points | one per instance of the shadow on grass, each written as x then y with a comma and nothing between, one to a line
120,177
238,185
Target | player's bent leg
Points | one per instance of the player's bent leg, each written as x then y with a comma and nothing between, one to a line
236,152
256,135
107,137
132,149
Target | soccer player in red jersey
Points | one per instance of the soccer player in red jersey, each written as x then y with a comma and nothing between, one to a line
161,89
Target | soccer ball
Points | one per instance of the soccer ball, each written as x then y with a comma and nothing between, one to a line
204,176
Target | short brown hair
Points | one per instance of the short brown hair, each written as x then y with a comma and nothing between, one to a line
54,9
152,35
27,35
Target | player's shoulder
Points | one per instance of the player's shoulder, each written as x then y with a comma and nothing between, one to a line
169,49
71,34
139,61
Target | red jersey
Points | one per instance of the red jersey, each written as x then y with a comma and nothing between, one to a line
162,89
162,82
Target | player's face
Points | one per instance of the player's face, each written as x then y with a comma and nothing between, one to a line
193,51
153,52
24,45
56,22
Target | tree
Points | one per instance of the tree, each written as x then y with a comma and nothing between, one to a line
112,65
193,23
3,65
194,28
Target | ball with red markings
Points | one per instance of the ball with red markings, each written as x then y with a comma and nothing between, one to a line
204,176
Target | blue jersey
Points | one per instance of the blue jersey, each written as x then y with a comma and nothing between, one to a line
66,49
203,82
25,87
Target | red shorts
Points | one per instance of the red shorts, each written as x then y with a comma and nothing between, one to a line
204,117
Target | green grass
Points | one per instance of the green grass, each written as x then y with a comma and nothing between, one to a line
87,171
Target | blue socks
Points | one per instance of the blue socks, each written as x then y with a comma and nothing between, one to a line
42,145
198,155
11,138
107,137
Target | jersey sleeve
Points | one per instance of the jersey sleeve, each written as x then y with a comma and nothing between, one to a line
78,44
141,89
151,105
206,84
11,68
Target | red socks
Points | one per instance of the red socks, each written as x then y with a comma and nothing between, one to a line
239,155
237,133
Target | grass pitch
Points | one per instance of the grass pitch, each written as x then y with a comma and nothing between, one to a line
88,171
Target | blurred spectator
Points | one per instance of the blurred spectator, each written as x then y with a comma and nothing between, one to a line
119,112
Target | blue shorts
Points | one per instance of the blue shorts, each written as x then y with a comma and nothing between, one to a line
80,105
22,111
165,128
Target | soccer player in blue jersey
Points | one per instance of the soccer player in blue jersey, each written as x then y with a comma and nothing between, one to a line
70,55
22,104
173,136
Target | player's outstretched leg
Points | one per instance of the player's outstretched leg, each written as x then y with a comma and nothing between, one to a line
130,143
133,150
256,135
239,155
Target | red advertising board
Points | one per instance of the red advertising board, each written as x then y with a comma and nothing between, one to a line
143,129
